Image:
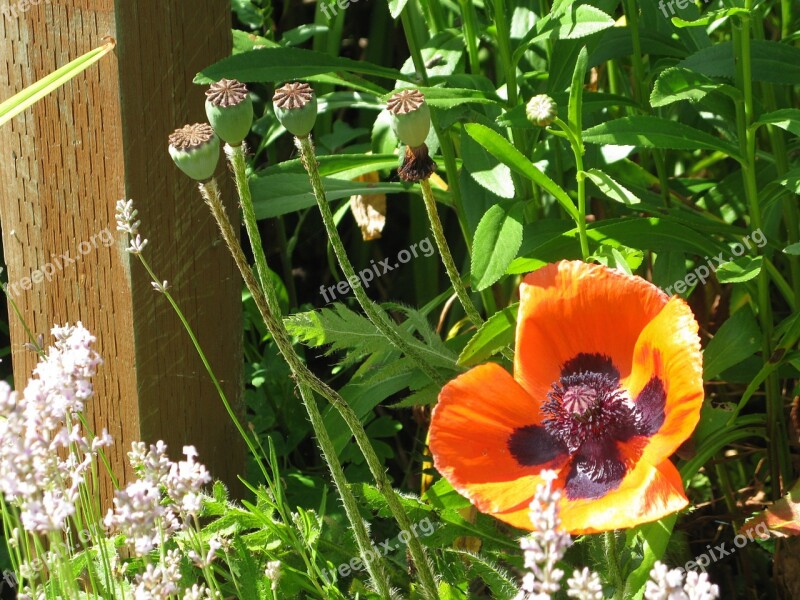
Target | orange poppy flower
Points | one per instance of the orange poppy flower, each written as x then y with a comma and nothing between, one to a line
607,385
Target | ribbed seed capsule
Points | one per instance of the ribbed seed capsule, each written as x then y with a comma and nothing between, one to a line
195,150
296,108
230,110
411,117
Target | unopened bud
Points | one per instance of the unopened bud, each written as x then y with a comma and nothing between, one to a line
541,110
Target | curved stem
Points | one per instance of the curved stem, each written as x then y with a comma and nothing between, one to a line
447,257
268,310
210,192
374,313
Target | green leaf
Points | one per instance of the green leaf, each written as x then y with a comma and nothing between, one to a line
497,240
740,270
772,62
612,189
38,90
284,64
786,118
654,132
495,334
655,538
738,338
709,17
299,35
486,169
275,195
505,151
396,7
576,92
793,249
676,83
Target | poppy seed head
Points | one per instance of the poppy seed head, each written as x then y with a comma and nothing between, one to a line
405,102
226,92
192,136
293,95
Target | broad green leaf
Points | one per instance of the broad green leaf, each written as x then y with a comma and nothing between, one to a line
440,97
676,84
496,243
740,270
495,334
655,538
35,92
786,118
396,7
738,338
772,62
486,169
658,235
283,193
284,64
612,189
654,132
569,25
333,164
505,151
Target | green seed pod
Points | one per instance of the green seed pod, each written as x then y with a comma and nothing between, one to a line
229,110
296,108
195,149
541,110
411,117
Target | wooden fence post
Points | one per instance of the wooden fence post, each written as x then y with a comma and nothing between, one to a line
64,164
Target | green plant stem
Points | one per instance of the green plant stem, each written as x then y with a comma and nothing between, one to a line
447,258
207,366
577,151
210,193
778,451
612,556
471,35
267,305
375,314
504,48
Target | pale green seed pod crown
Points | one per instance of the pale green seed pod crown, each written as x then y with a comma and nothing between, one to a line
411,117
195,149
230,110
296,108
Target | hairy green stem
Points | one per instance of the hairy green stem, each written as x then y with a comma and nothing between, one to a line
374,313
210,192
447,257
266,302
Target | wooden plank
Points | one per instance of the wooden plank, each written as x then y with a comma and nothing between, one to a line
64,164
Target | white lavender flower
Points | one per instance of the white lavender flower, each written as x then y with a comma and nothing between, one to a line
138,514
126,222
185,481
197,592
666,584
273,572
546,545
42,426
584,585
159,581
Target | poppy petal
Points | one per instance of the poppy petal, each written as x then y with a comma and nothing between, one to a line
486,439
667,379
572,308
646,494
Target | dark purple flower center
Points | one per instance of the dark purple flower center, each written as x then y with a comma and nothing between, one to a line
587,416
